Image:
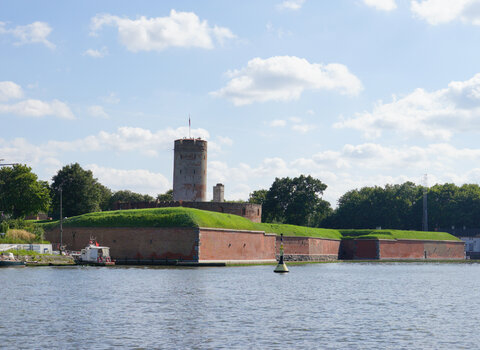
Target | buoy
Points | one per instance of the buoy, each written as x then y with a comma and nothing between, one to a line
281,266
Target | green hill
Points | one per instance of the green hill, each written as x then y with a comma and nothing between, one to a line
189,217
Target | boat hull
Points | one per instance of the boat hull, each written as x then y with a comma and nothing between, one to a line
9,263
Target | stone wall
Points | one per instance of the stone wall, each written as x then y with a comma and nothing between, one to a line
308,248
251,211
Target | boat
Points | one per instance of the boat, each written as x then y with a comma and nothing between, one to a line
9,259
95,254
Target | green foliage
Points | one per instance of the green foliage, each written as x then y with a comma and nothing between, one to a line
257,197
400,207
4,227
296,201
105,195
129,196
21,193
166,197
81,192
20,224
394,206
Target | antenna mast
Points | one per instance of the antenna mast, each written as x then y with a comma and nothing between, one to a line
189,125
425,207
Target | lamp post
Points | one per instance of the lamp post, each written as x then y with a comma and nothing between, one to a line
61,220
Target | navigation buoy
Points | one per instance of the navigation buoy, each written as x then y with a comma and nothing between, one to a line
281,266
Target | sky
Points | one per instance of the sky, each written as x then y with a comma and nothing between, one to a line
352,92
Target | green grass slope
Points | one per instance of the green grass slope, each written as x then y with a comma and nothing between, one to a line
397,234
185,217
189,217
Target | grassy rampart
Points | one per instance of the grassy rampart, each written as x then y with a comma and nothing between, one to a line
189,217
397,234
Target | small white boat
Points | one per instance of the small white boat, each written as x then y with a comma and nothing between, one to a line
95,254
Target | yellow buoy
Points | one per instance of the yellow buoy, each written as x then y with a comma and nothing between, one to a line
281,266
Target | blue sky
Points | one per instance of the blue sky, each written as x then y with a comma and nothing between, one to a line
353,92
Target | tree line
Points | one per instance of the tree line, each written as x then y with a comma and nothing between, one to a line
399,206
296,201
22,193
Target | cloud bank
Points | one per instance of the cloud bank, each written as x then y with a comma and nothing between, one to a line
438,114
284,78
179,29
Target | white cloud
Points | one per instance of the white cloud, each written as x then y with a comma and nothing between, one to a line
444,11
278,123
179,29
137,180
98,111
34,33
110,98
284,78
293,5
30,107
127,139
303,128
96,53
37,108
225,140
355,166
383,5
10,90
438,114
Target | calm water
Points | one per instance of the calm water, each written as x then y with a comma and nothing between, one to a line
316,306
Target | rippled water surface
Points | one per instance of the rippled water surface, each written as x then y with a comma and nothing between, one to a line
315,306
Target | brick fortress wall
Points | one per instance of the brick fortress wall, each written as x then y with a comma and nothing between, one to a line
402,249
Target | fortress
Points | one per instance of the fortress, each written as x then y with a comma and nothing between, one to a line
190,185
176,232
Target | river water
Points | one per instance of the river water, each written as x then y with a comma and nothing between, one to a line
315,306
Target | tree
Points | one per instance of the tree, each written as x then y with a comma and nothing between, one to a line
295,201
81,192
21,193
105,195
129,196
257,197
166,197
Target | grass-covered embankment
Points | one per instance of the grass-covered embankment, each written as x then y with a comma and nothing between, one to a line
189,217
397,234
185,217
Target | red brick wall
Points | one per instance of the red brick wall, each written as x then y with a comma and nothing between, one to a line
308,248
409,249
133,242
366,249
221,244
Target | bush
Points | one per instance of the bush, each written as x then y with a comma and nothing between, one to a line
20,235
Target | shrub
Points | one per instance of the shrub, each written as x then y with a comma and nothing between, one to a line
20,235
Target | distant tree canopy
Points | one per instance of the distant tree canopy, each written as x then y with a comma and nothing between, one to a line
295,201
81,192
258,197
166,197
401,207
129,196
21,193
394,206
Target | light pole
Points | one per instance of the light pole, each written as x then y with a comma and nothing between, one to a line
61,221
